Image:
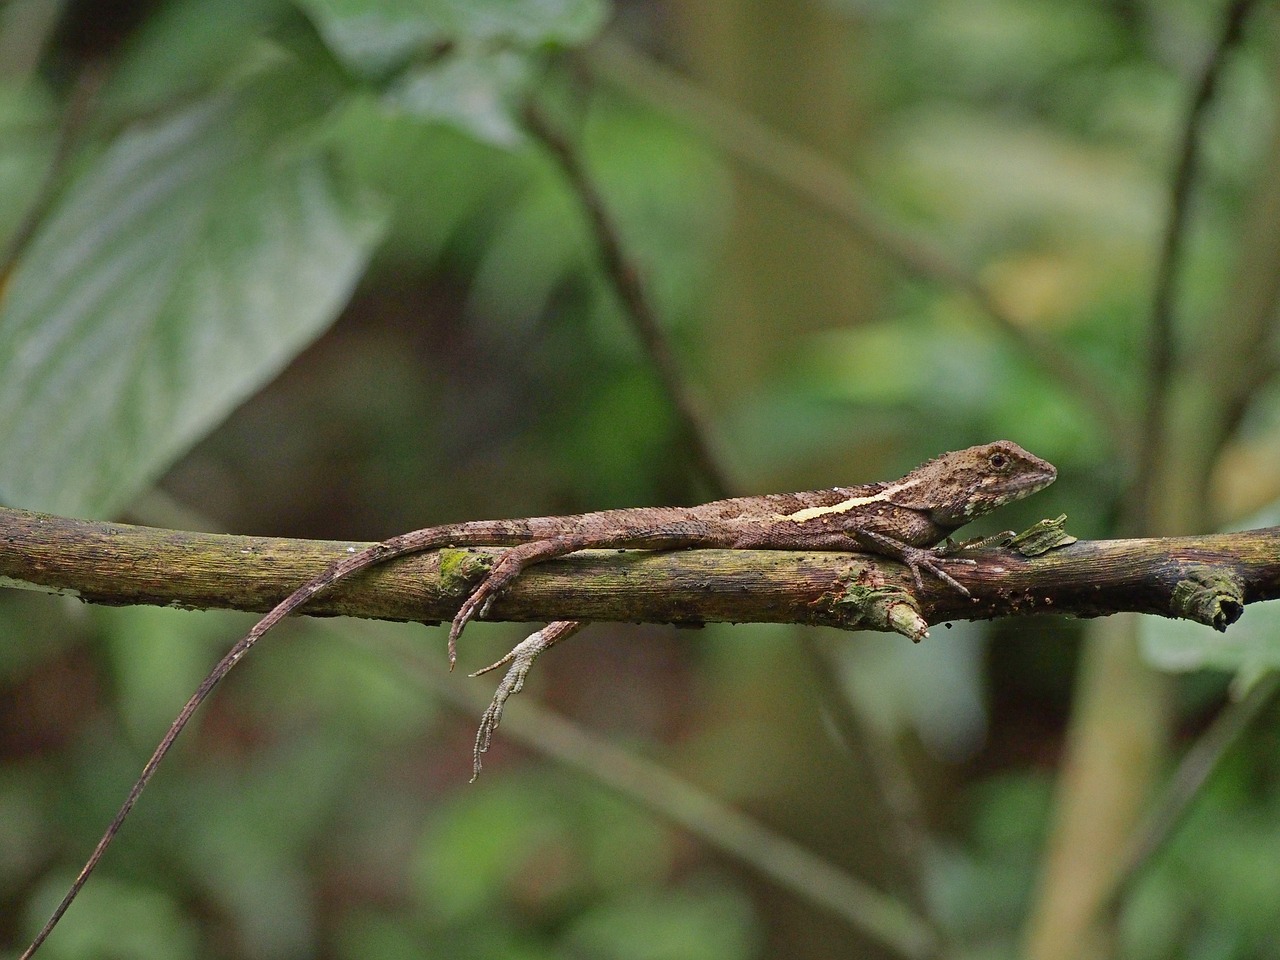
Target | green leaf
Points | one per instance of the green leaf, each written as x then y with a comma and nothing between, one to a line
1250,646
184,46
374,36
478,94
114,919
527,22
695,922
189,264
466,63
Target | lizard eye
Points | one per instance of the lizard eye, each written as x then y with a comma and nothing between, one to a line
998,460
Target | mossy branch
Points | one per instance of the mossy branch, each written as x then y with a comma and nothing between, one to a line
1208,579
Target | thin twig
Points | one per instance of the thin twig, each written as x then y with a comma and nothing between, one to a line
1184,788
624,277
1162,346
895,792
830,190
1107,767
890,779
1247,320
717,824
79,108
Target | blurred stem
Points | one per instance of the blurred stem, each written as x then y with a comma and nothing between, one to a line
830,190
796,869
1114,747
892,781
894,790
1192,774
783,273
1161,346
1248,322
623,276
1118,732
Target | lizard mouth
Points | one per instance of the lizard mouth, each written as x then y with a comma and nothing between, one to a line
1034,476
1036,480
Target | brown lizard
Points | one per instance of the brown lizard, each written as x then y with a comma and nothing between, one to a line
906,520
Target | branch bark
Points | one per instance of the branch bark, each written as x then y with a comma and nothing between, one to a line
1208,579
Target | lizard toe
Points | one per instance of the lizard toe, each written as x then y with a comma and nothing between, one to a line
917,560
946,578
466,613
521,659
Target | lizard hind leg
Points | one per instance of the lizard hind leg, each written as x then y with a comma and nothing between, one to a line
509,566
666,536
521,659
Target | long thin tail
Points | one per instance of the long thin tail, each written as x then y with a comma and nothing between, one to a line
335,572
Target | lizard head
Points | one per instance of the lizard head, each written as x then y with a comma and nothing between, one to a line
957,487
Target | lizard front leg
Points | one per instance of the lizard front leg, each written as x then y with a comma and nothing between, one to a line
914,558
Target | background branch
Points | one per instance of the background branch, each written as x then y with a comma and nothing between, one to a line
714,822
624,277
1121,718
829,190
1162,346
1192,774
888,777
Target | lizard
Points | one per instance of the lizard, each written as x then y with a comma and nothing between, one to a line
909,520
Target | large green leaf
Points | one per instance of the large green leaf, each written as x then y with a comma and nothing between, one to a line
466,63
477,93
377,35
1250,646
193,260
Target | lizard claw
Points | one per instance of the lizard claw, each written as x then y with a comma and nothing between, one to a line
466,613
511,655
917,559
521,658
476,606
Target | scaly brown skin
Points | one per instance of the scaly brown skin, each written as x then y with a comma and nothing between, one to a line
904,519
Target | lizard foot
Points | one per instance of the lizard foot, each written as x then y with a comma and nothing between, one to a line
469,610
917,559
477,605
521,659
508,567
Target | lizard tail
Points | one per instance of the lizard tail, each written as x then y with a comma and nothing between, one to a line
336,571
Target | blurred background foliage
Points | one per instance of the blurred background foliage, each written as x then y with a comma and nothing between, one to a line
296,268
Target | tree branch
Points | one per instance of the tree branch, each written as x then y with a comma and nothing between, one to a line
623,276
1208,579
1185,786
1162,346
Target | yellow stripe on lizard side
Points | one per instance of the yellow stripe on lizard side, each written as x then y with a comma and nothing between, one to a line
813,513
